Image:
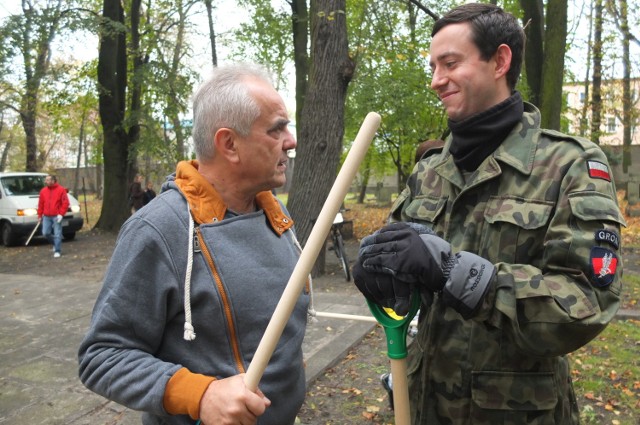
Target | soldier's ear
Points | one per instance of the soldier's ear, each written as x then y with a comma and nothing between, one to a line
503,61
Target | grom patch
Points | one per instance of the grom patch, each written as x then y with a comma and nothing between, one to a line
604,263
608,236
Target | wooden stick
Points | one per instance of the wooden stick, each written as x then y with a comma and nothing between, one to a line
32,233
311,250
400,391
331,315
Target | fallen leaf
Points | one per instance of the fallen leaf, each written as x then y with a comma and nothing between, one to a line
368,416
628,392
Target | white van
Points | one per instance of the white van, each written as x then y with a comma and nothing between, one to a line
19,193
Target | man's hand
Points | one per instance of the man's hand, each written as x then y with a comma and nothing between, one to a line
411,254
58,218
229,401
382,289
399,250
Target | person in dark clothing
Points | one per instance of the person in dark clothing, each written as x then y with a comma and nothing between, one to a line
136,194
149,194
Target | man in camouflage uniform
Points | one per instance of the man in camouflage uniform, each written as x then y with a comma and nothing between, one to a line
511,236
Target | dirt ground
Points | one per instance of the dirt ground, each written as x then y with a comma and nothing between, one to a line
348,393
86,256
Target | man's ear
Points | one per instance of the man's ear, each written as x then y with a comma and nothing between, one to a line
503,60
225,141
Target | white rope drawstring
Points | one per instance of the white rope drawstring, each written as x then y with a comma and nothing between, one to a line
189,332
311,311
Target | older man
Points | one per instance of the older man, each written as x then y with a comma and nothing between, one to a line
193,282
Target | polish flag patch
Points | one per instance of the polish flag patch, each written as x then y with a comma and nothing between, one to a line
604,263
598,170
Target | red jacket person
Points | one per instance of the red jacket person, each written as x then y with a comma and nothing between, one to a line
52,205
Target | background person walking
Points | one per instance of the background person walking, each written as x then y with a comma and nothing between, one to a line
52,206
136,194
149,194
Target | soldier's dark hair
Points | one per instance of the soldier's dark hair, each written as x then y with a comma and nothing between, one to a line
491,26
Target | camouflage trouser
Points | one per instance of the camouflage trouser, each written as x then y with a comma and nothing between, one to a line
488,398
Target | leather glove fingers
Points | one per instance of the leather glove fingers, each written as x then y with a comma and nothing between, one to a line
397,250
383,289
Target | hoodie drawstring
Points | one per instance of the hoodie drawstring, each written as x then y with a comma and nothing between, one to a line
189,332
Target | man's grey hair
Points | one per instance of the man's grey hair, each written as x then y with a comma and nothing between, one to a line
224,101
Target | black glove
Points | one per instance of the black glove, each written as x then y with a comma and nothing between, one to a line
382,289
399,250
415,255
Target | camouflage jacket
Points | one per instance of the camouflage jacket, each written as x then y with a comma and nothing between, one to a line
543,209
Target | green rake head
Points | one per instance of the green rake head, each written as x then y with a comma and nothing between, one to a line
395,327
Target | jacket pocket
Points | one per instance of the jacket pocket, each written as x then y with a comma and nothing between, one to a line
590,206
511,224
498,395
426,210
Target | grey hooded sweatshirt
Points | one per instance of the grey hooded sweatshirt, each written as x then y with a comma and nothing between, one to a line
240,267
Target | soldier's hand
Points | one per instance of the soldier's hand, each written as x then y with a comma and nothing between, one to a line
383,289
413,254
398,250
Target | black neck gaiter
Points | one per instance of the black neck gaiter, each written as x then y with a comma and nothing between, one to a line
476,137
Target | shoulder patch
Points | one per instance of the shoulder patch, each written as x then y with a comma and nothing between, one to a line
608,236
604,263
598,170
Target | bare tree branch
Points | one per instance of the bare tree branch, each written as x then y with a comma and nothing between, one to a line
425,9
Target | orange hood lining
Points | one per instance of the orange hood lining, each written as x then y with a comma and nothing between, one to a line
207,205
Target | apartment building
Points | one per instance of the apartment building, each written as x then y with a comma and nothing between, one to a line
611,128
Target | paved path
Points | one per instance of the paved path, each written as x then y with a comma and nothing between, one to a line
43,319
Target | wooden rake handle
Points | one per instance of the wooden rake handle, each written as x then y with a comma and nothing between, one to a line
311,250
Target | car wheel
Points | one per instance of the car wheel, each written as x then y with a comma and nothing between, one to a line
69,236
8,238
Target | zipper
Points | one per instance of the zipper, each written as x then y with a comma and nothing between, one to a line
201,246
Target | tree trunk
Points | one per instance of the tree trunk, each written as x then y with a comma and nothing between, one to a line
112,77
212,34
596,96
584,120
626,87
322,127
366,173
7,145
29,126
300,19
76,177
555,41
173,99
35,57
534,54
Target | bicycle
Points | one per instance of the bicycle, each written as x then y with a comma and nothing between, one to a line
338,244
